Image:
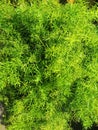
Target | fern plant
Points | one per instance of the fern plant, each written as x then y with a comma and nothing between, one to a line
48,66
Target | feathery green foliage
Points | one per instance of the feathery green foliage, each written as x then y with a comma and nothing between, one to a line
49,66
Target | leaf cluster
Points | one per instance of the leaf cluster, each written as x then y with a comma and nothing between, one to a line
49,66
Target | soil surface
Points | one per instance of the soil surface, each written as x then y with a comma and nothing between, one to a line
2,127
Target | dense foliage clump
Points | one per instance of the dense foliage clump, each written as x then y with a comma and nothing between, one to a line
48,65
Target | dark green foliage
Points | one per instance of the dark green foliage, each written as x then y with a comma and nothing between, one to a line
48,66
